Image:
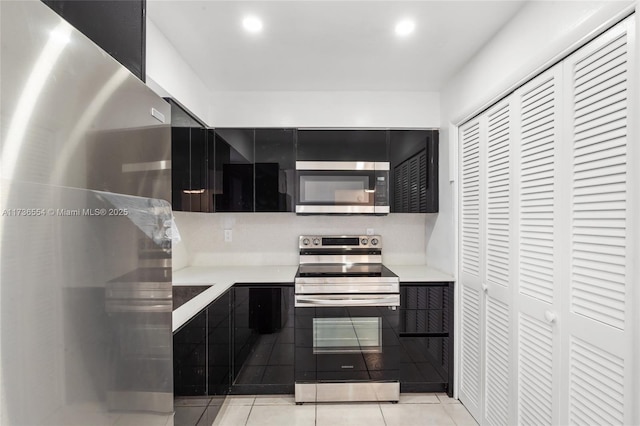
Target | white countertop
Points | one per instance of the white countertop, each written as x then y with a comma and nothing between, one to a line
418,273
221,278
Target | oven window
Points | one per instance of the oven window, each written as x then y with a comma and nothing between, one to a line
335,189
347,335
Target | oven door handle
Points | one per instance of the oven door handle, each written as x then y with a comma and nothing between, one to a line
302,301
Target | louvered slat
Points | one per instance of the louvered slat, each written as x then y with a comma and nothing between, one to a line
599,198
498,188
470,374
497,394
471,199
422,179
596,385
535,380
537,156
414,185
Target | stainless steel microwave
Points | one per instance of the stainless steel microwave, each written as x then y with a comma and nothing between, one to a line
342,187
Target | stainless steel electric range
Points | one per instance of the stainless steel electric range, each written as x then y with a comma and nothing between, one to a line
346,317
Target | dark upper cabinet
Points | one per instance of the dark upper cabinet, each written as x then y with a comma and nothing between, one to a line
342,145
233,180
413,157
189,166
118,27
274,170
253,170
180,168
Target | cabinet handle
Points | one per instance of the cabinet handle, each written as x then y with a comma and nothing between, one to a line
550,317
485,288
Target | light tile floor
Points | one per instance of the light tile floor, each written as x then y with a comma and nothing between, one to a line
413,409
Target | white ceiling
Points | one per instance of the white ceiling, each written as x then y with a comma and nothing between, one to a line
328,45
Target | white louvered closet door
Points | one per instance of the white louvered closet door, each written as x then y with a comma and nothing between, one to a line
471,267
599,326
497,283
538,292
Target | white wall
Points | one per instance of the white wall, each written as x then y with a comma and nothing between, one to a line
325,109
272,238
540,34
168,74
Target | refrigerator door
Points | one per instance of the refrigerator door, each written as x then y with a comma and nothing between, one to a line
85,244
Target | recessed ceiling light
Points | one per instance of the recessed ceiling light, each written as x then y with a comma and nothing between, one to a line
405,27
252,24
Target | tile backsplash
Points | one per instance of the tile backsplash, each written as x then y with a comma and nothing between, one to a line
272,238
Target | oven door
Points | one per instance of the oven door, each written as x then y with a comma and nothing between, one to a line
345,338
342,187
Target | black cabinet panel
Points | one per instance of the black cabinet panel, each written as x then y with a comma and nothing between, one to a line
414,171
426,337
189,166
118,27
274,170
190,357
263,340
233,180
201,356
342,145
198,176
218,342
180,168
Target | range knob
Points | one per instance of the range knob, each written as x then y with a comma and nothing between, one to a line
305,241
316,241
374,241
364,241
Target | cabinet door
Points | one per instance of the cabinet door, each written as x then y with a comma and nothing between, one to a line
342,145
263,340
426,339
218,344
180,164
274,170
198,169
118,27
413,155
234,177
190,357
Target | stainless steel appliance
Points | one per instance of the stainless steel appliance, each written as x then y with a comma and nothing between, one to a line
86,171
343,187
346,321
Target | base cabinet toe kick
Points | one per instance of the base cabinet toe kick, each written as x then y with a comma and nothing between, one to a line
347,392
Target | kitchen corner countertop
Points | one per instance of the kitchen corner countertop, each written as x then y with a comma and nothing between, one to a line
419,273
222,278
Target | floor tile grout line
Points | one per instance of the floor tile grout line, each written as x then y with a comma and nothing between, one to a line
382,414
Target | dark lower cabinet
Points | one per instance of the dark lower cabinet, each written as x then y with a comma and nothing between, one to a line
201,358
190,357
241,343
219,340
426,337
263,340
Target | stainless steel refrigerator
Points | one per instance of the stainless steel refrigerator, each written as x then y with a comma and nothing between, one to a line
85,244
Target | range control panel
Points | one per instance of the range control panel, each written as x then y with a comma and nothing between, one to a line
340,241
